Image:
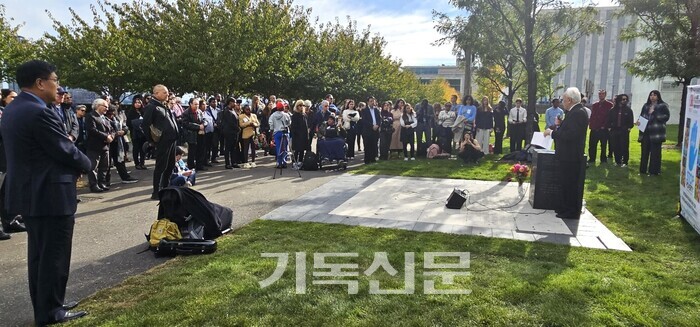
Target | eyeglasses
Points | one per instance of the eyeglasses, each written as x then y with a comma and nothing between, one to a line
51,79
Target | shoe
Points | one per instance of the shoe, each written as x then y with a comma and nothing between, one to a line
413,158
208,164
405,158
68,316
228,167
4,236
104,187
246,166
138,167
235,166
253,165
154,196
623,165
130,181
96,189
188,184
144,167
70,305
215,161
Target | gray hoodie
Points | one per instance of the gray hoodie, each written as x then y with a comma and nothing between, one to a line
279,120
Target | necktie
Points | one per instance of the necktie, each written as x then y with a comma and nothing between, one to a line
517,115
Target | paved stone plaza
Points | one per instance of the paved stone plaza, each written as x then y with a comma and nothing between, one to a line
493,210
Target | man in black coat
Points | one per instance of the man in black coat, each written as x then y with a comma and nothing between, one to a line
100,135
158,119
371,118
569,154
43,165
230,128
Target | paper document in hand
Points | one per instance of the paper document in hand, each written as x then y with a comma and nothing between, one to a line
540,140
642,123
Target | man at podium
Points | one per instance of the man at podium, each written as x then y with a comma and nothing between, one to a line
569,154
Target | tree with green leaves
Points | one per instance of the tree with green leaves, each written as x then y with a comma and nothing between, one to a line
14,49
673,27
535,33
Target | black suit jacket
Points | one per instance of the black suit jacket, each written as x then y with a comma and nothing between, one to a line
229,123
98,129
367,126
571,135
157,115
42,163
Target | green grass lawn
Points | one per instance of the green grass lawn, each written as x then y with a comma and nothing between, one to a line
512,283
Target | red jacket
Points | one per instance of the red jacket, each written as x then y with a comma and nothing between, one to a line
599,114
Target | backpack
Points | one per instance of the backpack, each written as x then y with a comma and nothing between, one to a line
163,229
433,151
310,161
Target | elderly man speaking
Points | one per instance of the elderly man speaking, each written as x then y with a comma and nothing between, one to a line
571,139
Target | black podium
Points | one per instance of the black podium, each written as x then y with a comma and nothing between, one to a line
544,186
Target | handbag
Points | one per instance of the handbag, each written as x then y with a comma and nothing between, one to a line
156,134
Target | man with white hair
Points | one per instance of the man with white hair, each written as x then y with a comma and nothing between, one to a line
569,154
99,136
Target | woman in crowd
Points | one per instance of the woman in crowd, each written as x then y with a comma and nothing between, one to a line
350,119
468,111
386,130
484,124
249,124
310,120
360,106
134,118
396,113
193,125
408,135
446,118
469,149
117,148
300,132
656,112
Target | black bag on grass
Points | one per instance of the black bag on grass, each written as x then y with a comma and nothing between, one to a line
185,246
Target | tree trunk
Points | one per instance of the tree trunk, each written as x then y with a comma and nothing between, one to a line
467,71
531,68
681,119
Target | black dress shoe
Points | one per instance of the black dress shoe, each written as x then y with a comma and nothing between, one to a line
228,167
4,236
15,227
70,305
103,187
208,164
68,316
96,189
215,161
235,166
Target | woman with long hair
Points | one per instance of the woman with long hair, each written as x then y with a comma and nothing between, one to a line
360,106
408,135
350,119
655,110
299,130
396,113
134,117
446,118
484,124
7,96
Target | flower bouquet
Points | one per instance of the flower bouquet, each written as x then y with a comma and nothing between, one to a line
521,172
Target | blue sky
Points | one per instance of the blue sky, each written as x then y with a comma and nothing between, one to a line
406,25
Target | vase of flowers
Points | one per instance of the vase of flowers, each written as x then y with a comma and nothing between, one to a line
521,172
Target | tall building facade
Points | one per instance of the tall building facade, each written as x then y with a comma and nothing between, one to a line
454,75
596,62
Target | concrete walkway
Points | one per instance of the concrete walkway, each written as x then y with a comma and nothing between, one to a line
110,226
493,210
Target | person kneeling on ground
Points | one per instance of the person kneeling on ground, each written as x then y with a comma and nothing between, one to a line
182,176
470,150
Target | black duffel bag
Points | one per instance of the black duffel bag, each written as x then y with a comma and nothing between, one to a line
185,246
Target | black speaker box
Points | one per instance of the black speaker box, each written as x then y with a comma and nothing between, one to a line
456,199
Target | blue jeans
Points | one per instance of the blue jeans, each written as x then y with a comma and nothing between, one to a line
281,151
178,180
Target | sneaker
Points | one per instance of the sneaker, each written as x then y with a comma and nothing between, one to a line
246,166
414,158
129,180
188,184
253,165
623,165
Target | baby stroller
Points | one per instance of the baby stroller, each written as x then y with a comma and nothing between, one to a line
332,150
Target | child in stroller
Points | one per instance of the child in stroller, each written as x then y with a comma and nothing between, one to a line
331,145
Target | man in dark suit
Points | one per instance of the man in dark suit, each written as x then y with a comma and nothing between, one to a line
571,139
230,128
42,168
158,117
100,135
371,118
